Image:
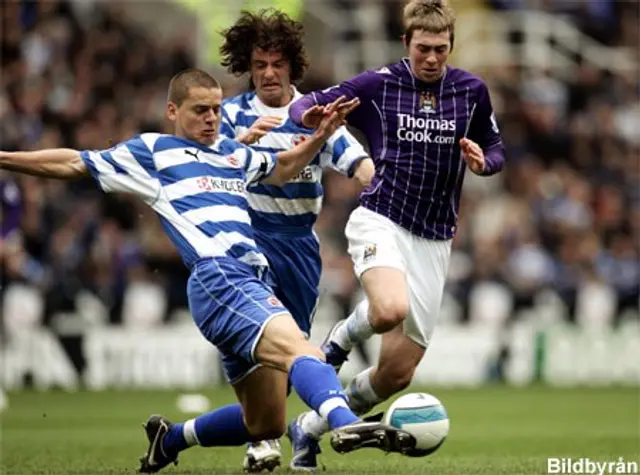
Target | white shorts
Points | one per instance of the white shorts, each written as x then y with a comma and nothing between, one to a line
376,241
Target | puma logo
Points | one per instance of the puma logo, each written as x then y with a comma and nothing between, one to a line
193,154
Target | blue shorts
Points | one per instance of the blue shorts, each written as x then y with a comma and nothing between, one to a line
231,306
295,269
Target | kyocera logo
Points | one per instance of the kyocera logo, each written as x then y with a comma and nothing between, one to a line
214,184
426,129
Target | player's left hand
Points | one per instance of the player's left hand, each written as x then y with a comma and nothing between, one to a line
259,129
473,155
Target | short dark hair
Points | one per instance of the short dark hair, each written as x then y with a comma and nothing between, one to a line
269,30
183,81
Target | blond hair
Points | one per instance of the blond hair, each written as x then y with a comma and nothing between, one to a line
432,16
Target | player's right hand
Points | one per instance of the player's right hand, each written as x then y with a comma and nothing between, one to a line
259,129
335,115
344,107
313,116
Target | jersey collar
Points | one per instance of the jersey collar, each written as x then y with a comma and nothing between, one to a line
282,112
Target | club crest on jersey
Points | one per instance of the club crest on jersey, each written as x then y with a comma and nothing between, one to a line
369,252
428,102
273,301
298,139
233,161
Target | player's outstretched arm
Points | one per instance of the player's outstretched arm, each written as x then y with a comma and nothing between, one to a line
61,163
291,162
309,110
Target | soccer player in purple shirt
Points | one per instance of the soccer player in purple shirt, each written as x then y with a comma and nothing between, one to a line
426,122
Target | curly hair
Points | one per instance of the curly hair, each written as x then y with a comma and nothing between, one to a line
269,30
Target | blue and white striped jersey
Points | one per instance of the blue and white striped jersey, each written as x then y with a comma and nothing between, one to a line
297,203
198,192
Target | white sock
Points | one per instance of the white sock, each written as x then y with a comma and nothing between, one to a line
189,433
313,424
356,329
360,394
361,399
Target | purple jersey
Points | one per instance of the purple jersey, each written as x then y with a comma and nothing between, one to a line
414,129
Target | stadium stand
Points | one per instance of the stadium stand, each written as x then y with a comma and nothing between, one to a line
556,235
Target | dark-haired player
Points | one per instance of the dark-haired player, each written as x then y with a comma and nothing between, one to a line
268,47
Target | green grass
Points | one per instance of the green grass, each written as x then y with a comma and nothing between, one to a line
494,430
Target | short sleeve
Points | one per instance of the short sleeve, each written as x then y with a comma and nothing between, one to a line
126,168
258,165
342,152
362,86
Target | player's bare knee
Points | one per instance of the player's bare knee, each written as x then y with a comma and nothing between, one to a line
305,349
283,342
385,316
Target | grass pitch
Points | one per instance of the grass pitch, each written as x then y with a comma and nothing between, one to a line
494,431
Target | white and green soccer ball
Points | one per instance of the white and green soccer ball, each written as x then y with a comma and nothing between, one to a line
424,417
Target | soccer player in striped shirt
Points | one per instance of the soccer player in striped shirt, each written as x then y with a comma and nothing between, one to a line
196,181
268,46
426,123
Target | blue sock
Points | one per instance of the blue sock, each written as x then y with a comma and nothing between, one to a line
318,386
222,427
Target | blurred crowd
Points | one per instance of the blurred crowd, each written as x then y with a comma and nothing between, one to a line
82,78
564,217
611,22
565,213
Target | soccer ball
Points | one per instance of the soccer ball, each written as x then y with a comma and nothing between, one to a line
424,417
